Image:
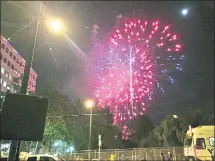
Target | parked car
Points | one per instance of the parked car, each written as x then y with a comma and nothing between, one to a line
4,156
42,157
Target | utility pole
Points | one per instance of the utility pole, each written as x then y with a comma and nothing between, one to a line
99,144
15,144
90,131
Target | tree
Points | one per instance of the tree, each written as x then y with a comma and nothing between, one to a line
174,130
171,132
142,126
200,114
73,125
55,128
151,141
108,133
101,125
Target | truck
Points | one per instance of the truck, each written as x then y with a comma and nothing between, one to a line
199,143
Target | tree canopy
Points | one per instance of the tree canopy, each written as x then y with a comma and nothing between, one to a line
68,121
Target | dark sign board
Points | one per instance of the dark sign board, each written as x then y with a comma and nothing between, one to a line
23,117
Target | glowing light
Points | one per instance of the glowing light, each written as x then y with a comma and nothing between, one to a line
175,116
185,11
56,25
89,104
70,149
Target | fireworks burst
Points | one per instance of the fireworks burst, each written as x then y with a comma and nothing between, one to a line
140,54
126,132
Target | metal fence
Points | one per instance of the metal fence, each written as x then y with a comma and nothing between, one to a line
130,154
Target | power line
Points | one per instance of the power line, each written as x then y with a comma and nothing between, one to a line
49,47
9,38
37,28
85,114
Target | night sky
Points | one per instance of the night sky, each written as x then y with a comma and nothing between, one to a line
196,30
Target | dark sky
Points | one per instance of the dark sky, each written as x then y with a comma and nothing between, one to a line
195,83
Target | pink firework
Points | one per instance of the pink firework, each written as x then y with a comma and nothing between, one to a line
126,132
139,54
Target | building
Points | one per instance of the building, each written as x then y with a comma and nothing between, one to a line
12,68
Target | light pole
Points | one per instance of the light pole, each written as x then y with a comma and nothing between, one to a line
57,27
15,144
89,104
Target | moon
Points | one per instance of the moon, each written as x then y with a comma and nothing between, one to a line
184,11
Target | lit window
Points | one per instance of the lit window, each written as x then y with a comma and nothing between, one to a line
2,46
2,70
4,84
7,50
16,70
211,141
10,77
6,74
11,54
8,87
5,60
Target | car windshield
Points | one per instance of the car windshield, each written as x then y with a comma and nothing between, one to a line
188,140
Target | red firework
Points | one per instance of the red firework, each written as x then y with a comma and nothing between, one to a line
139,54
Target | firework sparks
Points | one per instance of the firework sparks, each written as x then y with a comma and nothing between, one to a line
139,55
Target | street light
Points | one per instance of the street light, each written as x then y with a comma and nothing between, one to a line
55,25
89,105
175,116
58,27
15,144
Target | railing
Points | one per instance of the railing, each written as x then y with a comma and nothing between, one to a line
130,154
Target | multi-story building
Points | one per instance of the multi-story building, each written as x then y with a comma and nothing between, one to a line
12,67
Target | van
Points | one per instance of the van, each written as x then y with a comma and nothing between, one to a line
199,144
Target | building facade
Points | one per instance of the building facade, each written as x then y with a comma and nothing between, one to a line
12,68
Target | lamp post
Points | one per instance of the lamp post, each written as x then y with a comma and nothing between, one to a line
89,104
15,144
57,27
